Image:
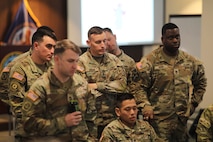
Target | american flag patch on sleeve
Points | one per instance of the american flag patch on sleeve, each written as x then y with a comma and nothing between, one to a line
18,76
32,95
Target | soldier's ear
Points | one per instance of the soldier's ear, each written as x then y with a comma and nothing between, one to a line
117,111
56,58
88,42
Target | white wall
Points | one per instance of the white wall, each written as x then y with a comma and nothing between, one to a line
207,49
174,7
73,30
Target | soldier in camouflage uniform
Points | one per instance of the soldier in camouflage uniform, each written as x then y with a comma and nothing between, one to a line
204,128
4,75
129,64
26,71
105,74
127,128
47,110
113,48
174,83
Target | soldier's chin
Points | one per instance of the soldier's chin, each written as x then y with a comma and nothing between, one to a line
49,58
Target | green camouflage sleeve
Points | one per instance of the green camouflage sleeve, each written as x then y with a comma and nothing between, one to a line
117,77
4,78
107,136
199,82
33,110
135,88
142,82
17,80
204,128
119,81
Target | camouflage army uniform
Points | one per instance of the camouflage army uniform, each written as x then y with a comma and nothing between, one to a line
116,131
110,79
22,76
128,63
174,87
133,79
204,128
4,77
46,104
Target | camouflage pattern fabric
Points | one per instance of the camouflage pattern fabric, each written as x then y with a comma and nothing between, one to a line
46,104
22,75
174,86
4,77
204,128
128,63
116,131
110,78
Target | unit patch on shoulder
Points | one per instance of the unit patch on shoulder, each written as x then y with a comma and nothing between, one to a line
18,76
32,95
6,69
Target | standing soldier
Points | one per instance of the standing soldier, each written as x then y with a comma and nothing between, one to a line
105,74
26,71
56,105
113,48
4,75
174,83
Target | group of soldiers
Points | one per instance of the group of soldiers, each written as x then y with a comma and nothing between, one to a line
41,85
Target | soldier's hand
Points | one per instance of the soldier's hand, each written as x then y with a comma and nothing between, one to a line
92,86
73,119
147,112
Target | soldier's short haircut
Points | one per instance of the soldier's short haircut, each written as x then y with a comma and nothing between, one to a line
168,26
41,32
45,28
108,30
65,44
122,97
95,30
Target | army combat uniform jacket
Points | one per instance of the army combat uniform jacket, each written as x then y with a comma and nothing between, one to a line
22,75
4,77
110,77
46,104
172,85
116,131
128,63
204,128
